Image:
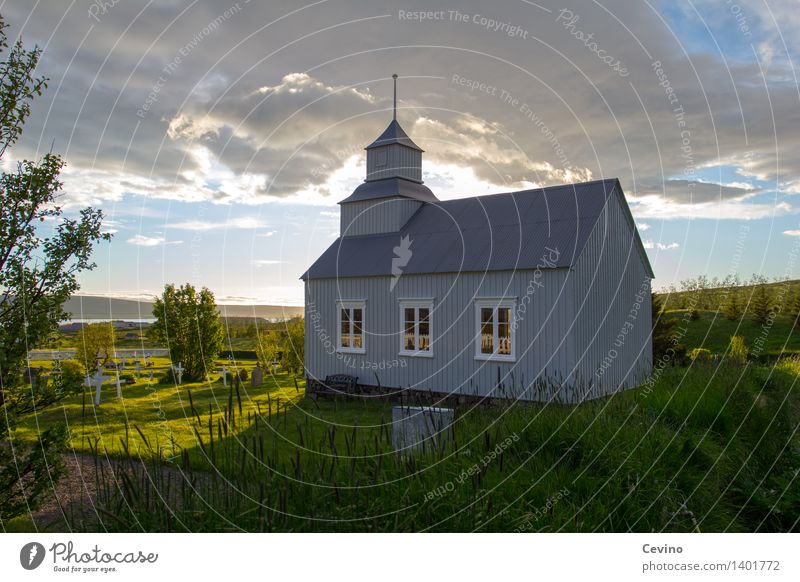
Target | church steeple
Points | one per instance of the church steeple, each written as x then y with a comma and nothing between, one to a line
393,154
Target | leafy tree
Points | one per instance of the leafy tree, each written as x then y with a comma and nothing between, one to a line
663,329
268,349
95,345
761,304
188,323
732,307
293,353
42,251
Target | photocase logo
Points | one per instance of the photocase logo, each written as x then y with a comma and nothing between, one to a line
31,555
402,254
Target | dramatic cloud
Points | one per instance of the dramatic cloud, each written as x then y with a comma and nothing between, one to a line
258,102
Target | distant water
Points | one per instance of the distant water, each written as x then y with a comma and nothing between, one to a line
125,319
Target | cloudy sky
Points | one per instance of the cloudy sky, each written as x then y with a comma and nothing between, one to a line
218,136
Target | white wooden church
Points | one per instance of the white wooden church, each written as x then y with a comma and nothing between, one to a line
537,294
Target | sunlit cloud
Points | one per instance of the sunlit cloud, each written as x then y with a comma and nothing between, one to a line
151,241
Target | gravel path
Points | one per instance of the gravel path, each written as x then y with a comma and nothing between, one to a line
76,491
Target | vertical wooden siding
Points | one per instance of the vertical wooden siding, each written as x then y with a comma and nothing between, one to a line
613,334
401,161
376,216
544,348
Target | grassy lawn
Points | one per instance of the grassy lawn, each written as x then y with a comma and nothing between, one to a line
713,332
705,448
711,447
158,416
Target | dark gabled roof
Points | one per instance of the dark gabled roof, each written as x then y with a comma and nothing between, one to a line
497,232
394,134
389,187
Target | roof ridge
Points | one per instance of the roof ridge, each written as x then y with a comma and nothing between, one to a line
539,189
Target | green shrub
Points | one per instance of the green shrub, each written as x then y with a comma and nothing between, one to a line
700,355
738,350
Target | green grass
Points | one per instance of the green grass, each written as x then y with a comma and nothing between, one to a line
156,416
708,448
713,332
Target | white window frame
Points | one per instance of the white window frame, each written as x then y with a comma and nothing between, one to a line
495,304
350,305
416,304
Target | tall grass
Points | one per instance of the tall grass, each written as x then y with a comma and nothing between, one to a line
709,448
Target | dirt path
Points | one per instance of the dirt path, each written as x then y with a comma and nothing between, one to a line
75,494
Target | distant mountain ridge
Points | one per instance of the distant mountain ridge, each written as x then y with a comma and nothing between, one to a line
96,307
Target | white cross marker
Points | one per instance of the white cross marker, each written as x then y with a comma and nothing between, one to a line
96,381
179,371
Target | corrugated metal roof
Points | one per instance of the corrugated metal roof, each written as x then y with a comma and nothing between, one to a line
389,187
394,134
517,230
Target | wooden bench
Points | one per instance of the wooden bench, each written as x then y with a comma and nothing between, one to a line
337,384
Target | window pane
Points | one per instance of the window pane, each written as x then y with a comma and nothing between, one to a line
358,331
504,331
345,334
409,314
408,337
504,314
424,314
424,334
487,330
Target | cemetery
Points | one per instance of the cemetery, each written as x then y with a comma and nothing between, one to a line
261,453
483,361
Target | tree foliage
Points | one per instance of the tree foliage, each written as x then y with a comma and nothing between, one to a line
293,354
761,304
187,322
268,348
663,329
95,346
42,251
732,307
286,345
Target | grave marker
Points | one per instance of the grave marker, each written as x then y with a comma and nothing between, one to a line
179,371
256,377
97,382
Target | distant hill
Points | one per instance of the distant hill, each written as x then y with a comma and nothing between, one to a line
94,307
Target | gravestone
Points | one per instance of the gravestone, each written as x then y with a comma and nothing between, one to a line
119,387
178,372
225,376
256,377
420,427
97,382
138,370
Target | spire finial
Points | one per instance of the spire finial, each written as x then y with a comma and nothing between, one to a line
394,111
